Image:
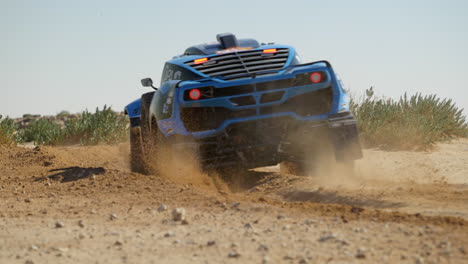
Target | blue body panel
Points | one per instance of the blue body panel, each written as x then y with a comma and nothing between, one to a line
133,109
170,96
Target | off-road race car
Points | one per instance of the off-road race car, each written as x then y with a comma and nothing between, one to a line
236,103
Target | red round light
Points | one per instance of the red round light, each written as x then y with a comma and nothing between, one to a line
315,77
194,94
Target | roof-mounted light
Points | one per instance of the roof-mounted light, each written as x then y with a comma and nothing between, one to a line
200,61
270,50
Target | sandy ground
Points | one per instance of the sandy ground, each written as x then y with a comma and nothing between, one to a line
83,205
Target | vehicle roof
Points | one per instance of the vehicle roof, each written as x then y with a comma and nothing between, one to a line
184,58
213,47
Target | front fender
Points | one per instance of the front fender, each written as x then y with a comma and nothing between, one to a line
133,110
162,105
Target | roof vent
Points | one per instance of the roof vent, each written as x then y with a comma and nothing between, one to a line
227,40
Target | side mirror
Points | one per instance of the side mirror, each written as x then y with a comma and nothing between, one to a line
148,82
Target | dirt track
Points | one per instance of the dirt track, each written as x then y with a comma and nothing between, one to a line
83,205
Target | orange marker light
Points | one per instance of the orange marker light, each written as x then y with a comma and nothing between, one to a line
269,51
199,61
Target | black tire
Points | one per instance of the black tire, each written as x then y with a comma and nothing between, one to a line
144,114
139,138
156,153
137,156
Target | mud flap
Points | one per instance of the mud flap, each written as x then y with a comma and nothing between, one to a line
344,136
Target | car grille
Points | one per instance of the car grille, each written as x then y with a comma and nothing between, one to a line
206,118
307,104
242,64
208,92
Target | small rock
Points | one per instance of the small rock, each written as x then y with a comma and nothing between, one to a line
28,262
177,241
162,208
184,222
356,210
169,234
178,214
60,249
118,243
303,261
112,234
265,260
287,257
27,200
286,227
248,226
360,254
33,247
113,216
326,238
419,261
59,224
233,254
81,236
280,217
211,243
263,247
360,230
462,250
93,211
235,205
81,223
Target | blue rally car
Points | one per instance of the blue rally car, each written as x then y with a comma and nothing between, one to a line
236,103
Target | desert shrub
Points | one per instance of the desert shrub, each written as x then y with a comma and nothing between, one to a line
411,122
63,114
7,131
102,126
41,132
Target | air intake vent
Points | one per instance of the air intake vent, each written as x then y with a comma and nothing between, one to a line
242,64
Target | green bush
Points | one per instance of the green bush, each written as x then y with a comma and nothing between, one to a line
414,122
63,114
7,131
103,126
42,132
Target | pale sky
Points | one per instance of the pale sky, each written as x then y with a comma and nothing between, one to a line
77,55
